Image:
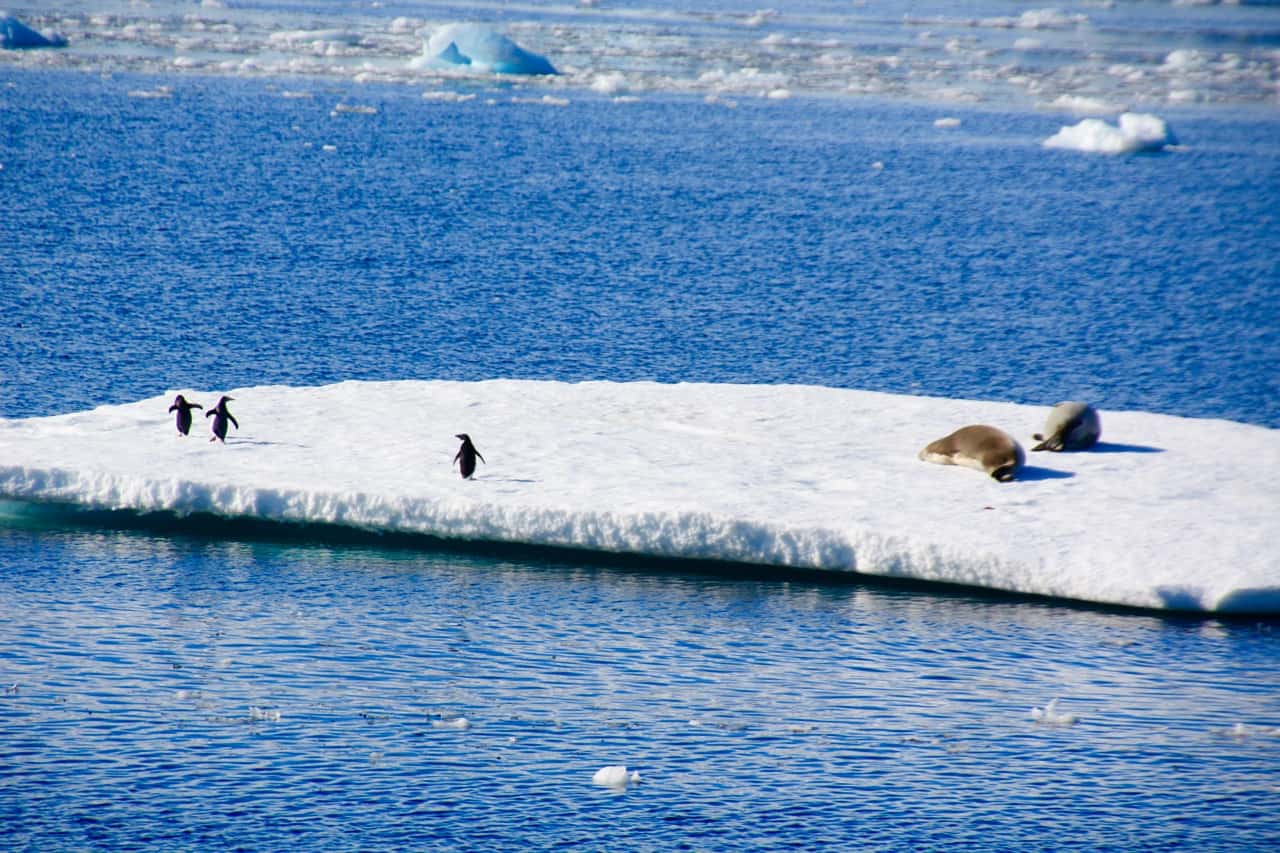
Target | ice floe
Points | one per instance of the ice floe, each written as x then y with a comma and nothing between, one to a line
481,48
1051,716
15,35
615,776
1135,132
1165,512
855,50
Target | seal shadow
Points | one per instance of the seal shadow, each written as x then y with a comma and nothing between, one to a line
1113,447
1034,472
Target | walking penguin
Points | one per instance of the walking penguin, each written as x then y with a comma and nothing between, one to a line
220,418
183,418
467,453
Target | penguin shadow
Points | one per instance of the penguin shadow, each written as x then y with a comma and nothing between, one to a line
1032,473
1115,447
261,442
506,480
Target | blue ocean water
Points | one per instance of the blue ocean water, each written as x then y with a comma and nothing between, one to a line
228,236
223,687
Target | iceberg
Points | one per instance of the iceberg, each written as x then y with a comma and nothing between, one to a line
1135,132
1166,513
480,48
15,35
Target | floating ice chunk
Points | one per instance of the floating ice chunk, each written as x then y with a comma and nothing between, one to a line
1060,535
548,100
1184,59
480,48
1050,716
613,83
268,715
448,97
158,93
460,724
406,25
15,35
354,109
292,37
615,776
1038,19
1136,132
1082,105
946,122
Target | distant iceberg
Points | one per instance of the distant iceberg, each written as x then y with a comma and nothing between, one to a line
480,48
15,35
1166,513
1135,132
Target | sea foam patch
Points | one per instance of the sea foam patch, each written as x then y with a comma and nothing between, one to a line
1165,512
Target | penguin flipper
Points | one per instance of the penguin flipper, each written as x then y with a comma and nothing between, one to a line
481,458
232,418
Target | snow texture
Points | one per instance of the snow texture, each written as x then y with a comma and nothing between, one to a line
1165,512
480,48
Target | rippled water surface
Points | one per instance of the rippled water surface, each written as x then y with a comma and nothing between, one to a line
175,213
224,691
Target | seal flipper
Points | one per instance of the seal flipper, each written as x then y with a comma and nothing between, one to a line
1004,474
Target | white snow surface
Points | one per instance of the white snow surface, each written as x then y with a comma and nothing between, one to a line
1166,512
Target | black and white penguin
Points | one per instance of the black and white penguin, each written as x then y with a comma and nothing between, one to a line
468,454
220,418
183,418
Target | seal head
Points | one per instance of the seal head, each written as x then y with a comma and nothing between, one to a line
1069,426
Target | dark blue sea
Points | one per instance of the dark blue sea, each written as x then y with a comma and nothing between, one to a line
225,686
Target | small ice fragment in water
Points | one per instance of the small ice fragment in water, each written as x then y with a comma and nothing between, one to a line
459,723
615,776
1049,715
264,714
949,121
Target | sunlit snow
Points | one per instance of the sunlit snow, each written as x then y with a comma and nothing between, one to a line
1165,512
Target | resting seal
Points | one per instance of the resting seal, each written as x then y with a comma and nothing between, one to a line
986,448
1070,426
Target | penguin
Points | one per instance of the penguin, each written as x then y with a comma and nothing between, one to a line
468,454
979,446
1069,426
183,418
220,418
